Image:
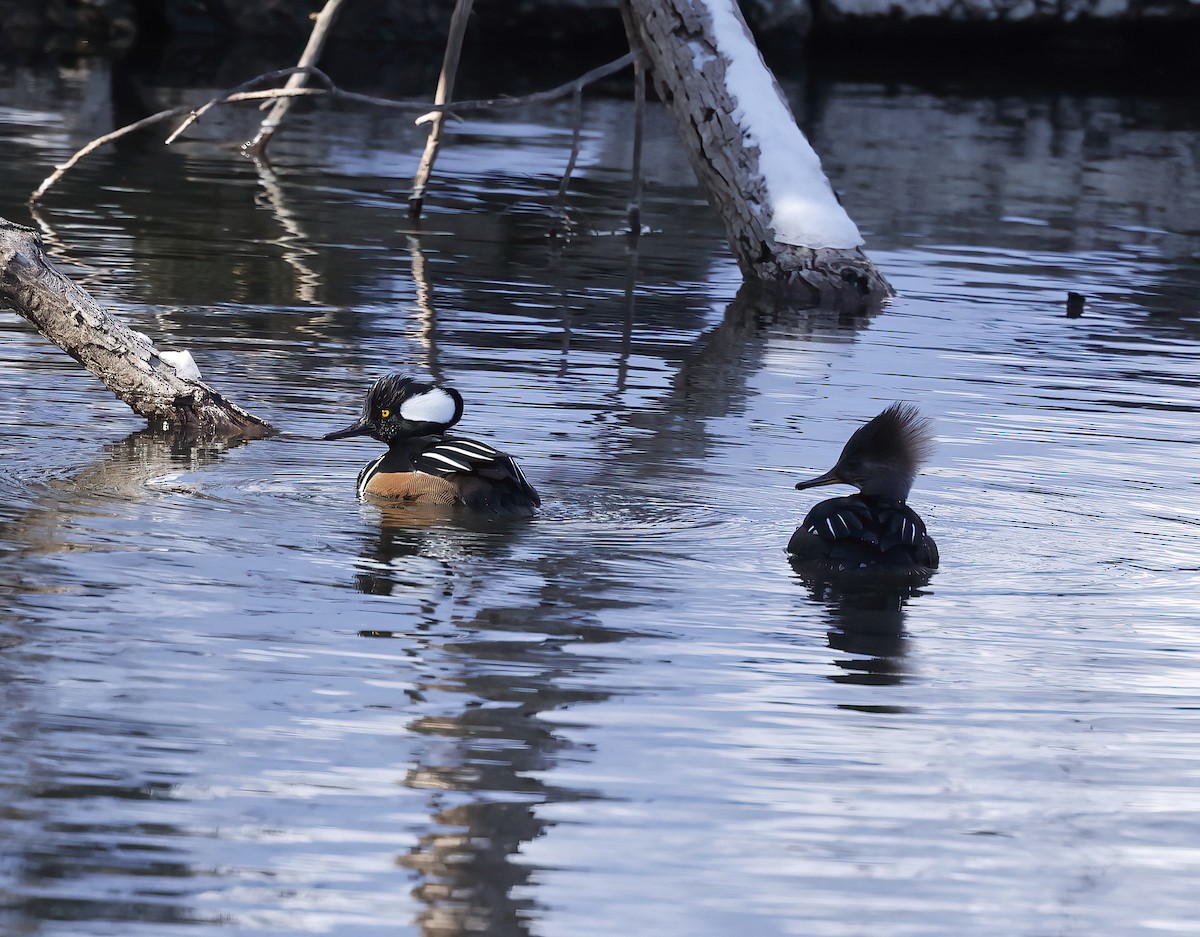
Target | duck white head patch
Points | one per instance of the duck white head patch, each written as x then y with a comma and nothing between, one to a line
433,406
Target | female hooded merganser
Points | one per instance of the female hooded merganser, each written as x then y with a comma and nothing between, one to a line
874,528
425,466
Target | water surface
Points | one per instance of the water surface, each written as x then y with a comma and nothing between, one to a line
237,700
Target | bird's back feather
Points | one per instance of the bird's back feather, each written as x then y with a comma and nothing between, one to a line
861,531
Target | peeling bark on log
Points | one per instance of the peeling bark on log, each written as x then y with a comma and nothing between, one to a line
126,361
679,40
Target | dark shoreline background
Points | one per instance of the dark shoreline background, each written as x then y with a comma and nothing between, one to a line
1144,44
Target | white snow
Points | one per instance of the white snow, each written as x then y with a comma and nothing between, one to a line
984,10
183,363
806,212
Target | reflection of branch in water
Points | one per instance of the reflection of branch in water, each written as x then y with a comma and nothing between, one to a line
554,275
59,251
631,268
476,698
713,378
564,359
427,315
565,318
42,528
718,362
484,785
49,512
58,758
294,243
124,473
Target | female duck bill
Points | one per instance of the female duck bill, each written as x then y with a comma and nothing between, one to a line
829,478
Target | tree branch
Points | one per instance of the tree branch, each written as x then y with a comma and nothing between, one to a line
238,95
445,89
154,384
303,70
312,52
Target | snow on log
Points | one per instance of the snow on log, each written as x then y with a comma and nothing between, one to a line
1081,15
784,223
164,387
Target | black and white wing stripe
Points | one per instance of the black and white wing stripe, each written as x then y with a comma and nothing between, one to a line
456,455
452,455
899,525
859,530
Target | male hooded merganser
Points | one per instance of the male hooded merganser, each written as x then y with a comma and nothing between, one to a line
425,466
874,528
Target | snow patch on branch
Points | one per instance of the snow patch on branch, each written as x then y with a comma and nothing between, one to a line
806,212
701,55
183,363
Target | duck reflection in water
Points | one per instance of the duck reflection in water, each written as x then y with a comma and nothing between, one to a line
397,553
865,620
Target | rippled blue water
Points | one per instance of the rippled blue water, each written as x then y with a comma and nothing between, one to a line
236,699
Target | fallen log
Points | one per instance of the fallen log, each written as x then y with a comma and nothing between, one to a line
162,386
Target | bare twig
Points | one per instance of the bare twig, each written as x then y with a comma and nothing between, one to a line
576,135
639,123
445,89
100,141
562,222
235,96
301,70
60,171
537,97
312,52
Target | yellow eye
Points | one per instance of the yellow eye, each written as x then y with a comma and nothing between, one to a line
384,414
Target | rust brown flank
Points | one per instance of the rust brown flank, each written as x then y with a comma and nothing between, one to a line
414,487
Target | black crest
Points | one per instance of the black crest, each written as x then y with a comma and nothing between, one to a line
900,437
